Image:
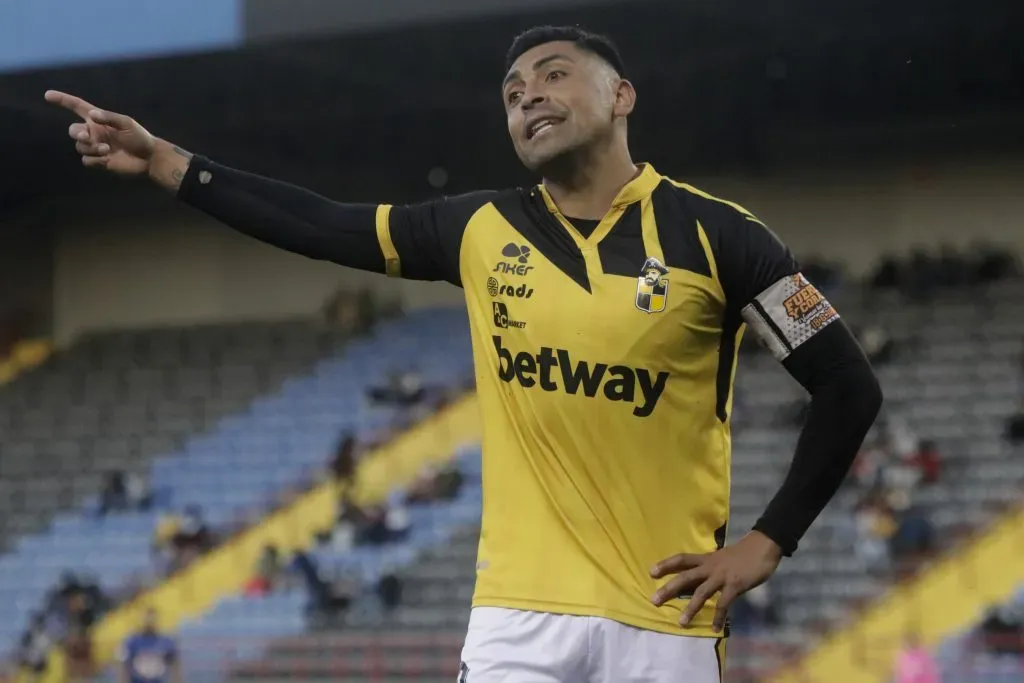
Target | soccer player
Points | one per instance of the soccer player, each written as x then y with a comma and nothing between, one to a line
606,306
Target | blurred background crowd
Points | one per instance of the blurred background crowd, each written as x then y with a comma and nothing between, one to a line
219,462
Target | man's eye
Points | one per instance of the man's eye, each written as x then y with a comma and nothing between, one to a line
514,96
555,75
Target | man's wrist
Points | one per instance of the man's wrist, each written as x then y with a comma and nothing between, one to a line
168,165
777,540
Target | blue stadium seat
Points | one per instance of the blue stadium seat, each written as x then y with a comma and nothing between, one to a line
242,461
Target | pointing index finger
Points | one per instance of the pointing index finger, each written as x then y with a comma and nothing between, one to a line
69,102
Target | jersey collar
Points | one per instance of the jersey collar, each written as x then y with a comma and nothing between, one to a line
633,191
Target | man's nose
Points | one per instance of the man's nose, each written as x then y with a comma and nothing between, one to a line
530,100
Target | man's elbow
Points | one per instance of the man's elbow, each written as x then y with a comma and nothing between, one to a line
864,391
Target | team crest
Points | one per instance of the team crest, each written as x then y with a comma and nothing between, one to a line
652,287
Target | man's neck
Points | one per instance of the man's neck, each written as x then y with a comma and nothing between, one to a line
586,187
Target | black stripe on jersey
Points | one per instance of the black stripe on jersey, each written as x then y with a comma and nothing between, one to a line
726,358
527,213
720,535
677,230
622,250
720,656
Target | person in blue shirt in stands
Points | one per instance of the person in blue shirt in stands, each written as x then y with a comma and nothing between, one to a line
148,656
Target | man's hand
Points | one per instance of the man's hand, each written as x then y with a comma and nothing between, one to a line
119,144
733,570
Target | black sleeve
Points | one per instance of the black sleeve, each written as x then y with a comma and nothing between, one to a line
417,242
763,286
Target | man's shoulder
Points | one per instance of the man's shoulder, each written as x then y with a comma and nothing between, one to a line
473,201
705,205
457,210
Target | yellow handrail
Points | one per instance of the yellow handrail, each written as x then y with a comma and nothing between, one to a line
945,598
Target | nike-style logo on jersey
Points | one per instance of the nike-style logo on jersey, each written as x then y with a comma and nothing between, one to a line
604,367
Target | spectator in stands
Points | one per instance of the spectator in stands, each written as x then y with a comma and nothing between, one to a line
349,521
915,664
914,537
75,602
114,497
384,524
192,537
78,655
888,274
149,656
343,464
875,525
163,543
403,389
389,590
954,271
1015,427
353,312
34,646
992,264
324,598
1002,631
921,276
867,467
823,274
928,461
268,571
123,492
435,484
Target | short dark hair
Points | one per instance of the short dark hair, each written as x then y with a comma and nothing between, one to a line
602,46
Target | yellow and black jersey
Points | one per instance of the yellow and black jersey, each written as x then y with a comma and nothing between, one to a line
604,368
604,357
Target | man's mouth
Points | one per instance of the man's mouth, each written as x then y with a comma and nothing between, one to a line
541,125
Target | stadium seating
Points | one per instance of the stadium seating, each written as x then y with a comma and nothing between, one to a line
963,660
955,380
233,467
114,400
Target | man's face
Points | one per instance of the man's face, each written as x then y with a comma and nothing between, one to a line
559,99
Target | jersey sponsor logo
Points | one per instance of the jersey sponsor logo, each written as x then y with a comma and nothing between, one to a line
652,287
496,289
502,319
521,254
638,386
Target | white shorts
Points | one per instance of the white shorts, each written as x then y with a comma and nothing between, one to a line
515,646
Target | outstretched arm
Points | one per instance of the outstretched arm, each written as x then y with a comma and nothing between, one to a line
281,214
419,242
